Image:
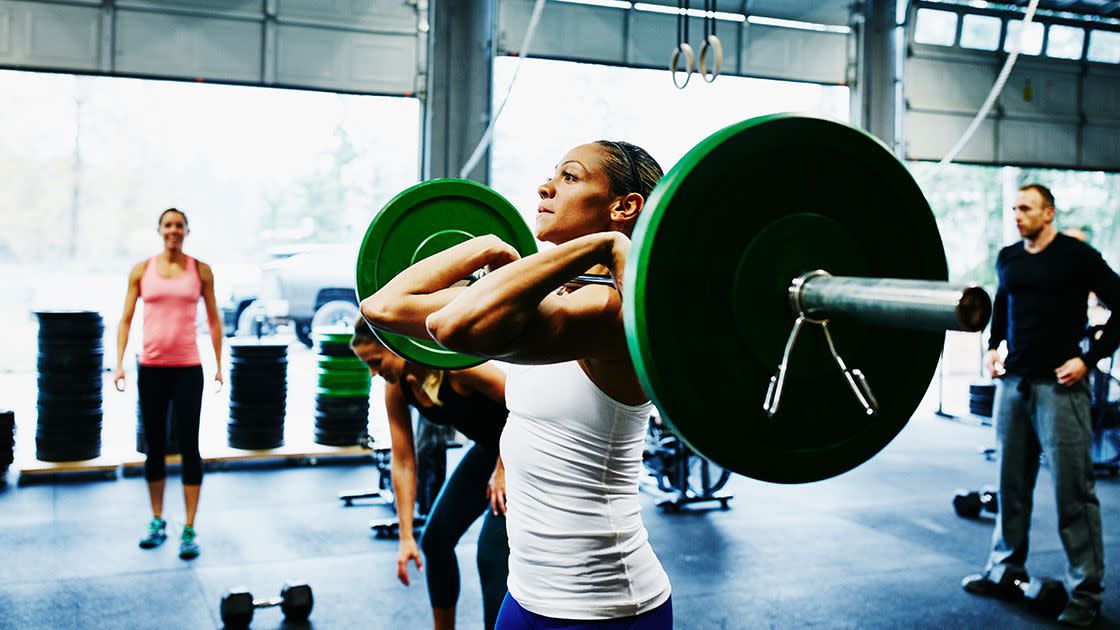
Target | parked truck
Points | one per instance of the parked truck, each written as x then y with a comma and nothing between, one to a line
304,290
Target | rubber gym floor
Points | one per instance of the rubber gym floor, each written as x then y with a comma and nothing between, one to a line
879,547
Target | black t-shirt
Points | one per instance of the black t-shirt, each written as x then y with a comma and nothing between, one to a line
475,415
1041,305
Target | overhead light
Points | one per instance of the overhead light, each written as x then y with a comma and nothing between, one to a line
611,4
803,26
696,13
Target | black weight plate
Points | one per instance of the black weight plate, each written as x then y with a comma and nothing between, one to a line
63,433
350,427
71,363
257,416
47,451
63,385
333,438
254,441
255,396
246,346
273,424
335,350
83,334
329,418
68,345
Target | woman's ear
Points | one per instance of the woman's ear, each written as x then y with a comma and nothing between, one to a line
627,208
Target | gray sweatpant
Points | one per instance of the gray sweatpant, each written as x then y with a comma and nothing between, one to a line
1053,419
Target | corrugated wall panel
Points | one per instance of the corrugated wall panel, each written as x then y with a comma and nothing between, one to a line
49,35
646,39
191,46
349,45
346,61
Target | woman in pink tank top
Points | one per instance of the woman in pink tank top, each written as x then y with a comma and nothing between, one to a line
169,375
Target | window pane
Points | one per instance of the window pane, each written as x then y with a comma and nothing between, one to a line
980,32
88,163
936,27
1032,38
1104,46
590,109
1065,42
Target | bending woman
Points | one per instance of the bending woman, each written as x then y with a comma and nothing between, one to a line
472,401
169,375
579,553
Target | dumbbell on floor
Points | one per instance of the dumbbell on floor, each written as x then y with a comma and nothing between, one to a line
238,604
968,504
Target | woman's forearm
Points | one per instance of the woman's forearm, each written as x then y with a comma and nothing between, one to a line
216,337
122,341
494,311
405,302
404,493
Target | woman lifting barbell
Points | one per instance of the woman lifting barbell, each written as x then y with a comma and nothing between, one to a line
579,552
473,401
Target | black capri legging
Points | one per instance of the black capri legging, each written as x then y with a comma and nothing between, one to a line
174,391
460,502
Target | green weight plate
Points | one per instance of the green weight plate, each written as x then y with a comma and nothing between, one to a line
722,236
342,364
424,220
353,380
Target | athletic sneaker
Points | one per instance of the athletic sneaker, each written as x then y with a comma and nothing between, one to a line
188,548
1081,615
157,533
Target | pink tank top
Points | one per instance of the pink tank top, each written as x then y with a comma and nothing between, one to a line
170,308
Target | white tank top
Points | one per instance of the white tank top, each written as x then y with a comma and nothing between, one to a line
578,548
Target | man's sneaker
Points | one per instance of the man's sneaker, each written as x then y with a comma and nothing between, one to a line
1079,615
157,533
983,585
188,548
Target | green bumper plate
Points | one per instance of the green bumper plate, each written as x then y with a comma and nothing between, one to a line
724,233
344,380
341,364
424,220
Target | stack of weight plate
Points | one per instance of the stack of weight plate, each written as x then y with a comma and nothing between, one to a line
70,365
7,442
342,397
258,390
981,399
172,433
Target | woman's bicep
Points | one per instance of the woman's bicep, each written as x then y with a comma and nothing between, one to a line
130,296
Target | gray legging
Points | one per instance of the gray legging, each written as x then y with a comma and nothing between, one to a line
1036,416
460,502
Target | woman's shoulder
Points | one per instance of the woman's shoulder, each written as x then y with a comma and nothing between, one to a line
204,270
138,269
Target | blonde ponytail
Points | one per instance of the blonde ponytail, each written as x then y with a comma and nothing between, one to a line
431,386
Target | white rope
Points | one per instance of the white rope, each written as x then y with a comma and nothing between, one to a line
1001,81
483,143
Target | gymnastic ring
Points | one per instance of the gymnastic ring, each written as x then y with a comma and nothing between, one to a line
711,43
674,60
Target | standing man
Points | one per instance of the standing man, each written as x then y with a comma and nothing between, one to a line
1042,400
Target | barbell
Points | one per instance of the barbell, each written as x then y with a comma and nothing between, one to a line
785,296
